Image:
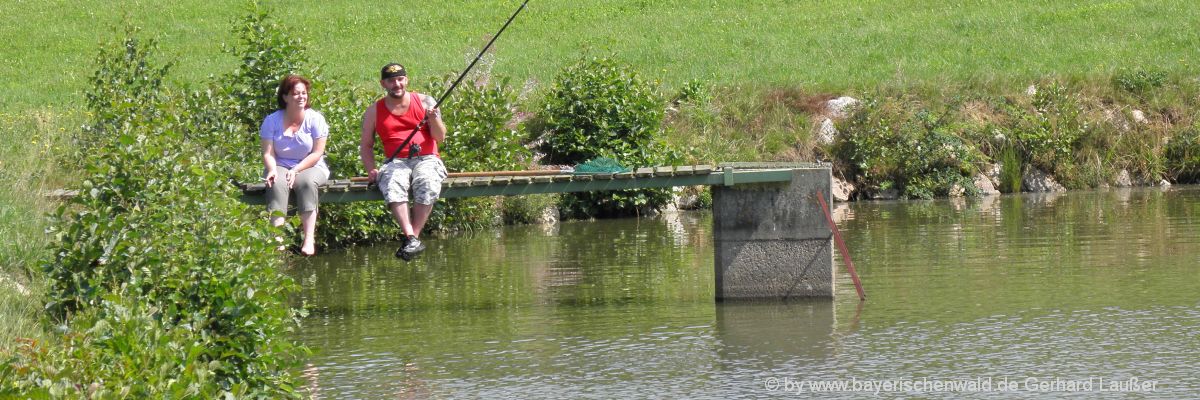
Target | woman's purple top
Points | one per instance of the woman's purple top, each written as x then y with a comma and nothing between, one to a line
291,149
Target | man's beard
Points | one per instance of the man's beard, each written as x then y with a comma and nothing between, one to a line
393,93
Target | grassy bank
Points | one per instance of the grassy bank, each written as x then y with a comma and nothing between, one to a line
839,45
29,147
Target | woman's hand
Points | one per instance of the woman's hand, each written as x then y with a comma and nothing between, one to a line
291,178
270,178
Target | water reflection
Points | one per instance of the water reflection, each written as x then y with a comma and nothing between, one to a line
775,333
1077,285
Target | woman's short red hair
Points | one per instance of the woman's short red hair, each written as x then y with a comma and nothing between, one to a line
285,88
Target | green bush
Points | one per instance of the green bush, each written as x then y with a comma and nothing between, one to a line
266,54
127,89
161,283
465,214
1182,155
897,144
482,136
601,108
1048,130
526,209
1139,81
123,349
157,229
694,92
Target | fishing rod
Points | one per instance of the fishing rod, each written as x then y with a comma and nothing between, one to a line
416,148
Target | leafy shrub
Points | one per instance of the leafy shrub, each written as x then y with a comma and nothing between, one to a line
124,349
161,282
480,136
1139,81
207,124
465,214
127,90
1182,155
266,55
526,209
156,229
1048,130
600,108
704,201
693,92
895,144
597,108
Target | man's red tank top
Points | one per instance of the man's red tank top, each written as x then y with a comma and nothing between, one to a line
393,129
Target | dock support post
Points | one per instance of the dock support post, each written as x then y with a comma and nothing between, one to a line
771,240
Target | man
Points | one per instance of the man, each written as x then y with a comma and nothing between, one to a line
393,118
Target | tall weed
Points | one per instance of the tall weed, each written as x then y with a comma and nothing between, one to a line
1012,170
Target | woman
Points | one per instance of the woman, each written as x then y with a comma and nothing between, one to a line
293,147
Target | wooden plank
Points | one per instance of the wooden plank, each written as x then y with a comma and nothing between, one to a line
773,165
644,172
664,171
496,186
584,183
539,172
336,186
683,170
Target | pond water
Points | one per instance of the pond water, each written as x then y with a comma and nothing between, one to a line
1034,295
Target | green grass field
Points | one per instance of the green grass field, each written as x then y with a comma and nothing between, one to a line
836,45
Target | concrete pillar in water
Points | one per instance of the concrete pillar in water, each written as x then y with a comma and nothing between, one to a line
771,240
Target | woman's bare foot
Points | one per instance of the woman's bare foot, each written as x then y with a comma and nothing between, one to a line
308,249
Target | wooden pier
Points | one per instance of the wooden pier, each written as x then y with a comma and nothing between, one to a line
458,186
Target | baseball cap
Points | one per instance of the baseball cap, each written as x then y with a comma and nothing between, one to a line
392,70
